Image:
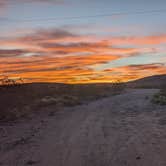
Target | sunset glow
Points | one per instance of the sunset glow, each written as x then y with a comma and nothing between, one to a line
126,47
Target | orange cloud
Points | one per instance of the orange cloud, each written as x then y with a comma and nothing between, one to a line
60,56
23,65
137,71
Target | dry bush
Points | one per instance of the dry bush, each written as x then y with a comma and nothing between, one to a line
118,87
159,99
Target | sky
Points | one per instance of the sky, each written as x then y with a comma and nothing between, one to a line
76,41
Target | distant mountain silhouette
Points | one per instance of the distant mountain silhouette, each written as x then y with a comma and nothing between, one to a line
156,81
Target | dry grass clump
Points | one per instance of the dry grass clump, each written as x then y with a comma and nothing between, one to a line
59,101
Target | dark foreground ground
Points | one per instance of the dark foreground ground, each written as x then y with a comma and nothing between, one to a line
22,100
122,130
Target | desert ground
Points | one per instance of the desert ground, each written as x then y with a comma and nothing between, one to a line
126,129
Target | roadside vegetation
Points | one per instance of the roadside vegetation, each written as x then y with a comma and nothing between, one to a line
160,98
21,100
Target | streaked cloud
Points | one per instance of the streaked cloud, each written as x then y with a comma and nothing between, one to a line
58,55
12,53
137,71
140,40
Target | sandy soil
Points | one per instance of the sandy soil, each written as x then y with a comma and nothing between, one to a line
123,130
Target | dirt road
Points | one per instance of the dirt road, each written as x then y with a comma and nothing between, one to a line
123,130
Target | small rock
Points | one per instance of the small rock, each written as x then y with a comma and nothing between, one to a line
42,121
32,135
138,158
31,162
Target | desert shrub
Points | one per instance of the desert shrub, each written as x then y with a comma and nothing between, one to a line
118,86
160,98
